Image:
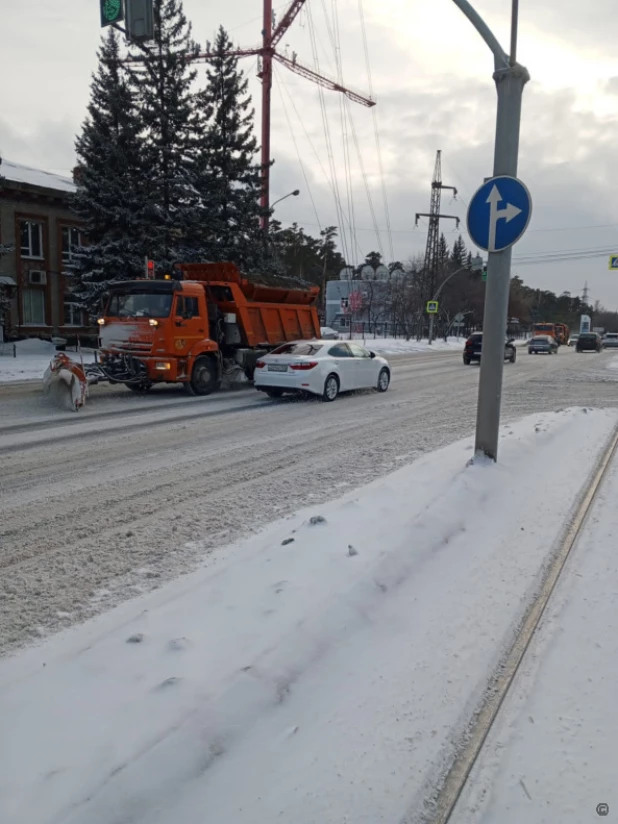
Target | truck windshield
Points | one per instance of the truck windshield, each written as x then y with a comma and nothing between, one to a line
145,305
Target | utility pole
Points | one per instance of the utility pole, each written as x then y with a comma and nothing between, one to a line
430,266
510,78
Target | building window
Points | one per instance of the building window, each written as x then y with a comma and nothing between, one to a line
31,236
73,315
34,307
70,240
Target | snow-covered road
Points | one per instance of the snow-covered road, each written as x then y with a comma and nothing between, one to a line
99,507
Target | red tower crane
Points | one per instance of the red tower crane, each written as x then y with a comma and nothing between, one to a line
271,36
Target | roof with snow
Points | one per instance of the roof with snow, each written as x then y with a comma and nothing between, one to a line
17,173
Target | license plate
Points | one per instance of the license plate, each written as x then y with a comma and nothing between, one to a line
277,367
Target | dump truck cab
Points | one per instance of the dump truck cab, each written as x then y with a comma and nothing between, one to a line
151,330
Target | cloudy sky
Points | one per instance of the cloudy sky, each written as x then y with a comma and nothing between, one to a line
431,76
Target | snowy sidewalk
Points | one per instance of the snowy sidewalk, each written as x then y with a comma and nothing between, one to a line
318,673
33,357
553,754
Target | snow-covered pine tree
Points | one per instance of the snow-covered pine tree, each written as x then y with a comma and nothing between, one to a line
110,190
162,82
459,253
229,172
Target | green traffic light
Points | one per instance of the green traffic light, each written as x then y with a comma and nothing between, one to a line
111,11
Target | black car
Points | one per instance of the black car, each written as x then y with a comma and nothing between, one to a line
588,342
474,345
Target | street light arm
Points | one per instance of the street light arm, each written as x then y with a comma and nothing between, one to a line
501,59
446,280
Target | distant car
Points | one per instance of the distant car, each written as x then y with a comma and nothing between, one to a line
588,342
573,340
610,340
320,368
542,344
326,333
474,345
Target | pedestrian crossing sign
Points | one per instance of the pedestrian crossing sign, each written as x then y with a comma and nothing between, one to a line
432,307
613,262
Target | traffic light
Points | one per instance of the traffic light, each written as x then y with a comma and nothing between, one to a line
112,11
484,277
140,20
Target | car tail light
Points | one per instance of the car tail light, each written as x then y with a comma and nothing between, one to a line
304,366
260,364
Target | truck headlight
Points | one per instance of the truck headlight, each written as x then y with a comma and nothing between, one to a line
163,366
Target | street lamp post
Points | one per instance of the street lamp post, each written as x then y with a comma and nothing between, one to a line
510,78
295,193
477,265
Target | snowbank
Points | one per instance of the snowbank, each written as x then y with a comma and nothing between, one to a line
552,754
401,346
33,357
319,672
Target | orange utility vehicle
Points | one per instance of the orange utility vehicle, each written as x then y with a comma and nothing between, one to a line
563,332
559,331
193,327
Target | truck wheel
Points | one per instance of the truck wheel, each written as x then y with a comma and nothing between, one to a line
331,388
204,378
139,388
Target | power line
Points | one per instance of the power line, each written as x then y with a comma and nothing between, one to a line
302,165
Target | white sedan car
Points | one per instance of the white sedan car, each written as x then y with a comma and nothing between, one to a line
319,367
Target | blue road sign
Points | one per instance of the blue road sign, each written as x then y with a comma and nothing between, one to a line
613,262
499,213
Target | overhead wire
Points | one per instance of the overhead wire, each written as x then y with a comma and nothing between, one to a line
329,147
336,43
376,131
328,179
300,160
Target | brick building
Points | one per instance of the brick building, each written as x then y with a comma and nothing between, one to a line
38,232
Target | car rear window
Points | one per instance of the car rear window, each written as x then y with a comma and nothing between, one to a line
588,337
297,349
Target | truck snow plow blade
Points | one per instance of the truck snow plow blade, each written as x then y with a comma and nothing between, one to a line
65,383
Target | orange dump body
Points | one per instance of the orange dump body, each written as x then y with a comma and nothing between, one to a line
265,314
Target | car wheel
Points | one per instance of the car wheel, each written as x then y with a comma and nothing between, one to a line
513,357
384,380
466,361
331,388
204,378
274,393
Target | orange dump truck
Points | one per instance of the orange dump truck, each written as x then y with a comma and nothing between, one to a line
193,327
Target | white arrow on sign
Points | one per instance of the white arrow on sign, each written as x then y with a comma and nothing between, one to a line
508,213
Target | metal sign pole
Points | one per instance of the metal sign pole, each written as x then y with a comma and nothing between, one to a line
510,79
510,86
